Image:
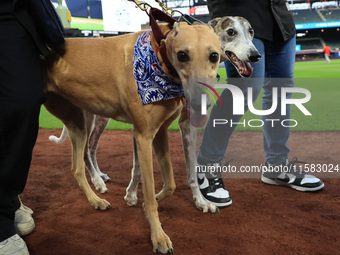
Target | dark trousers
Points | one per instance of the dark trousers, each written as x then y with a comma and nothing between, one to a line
20,100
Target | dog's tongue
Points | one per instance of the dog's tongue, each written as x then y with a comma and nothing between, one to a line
196,118
244,67
248,70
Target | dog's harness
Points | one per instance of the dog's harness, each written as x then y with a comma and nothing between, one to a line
152,82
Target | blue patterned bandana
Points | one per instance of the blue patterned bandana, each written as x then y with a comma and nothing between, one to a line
152,82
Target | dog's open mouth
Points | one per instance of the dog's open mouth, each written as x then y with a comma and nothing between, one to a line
196,118
244,68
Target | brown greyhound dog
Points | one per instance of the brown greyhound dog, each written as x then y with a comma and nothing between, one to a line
236,44
96,76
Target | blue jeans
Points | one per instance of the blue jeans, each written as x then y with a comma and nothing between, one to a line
275,69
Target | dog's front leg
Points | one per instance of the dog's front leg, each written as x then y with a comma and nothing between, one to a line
189,136
160,241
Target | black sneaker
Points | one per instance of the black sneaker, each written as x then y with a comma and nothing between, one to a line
288,175
211,185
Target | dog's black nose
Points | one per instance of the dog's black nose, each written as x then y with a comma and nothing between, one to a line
254,58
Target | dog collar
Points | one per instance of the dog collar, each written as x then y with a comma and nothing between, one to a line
152,83
156,14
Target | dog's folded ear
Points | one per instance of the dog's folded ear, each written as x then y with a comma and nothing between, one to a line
214,22
175,29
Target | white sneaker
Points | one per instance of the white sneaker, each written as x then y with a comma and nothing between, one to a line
211,185
23,221
13,245
287,174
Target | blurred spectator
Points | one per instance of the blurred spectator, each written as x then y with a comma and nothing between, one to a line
327,52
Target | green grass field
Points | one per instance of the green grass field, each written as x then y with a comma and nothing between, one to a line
322,80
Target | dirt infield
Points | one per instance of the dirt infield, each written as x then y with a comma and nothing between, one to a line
262,220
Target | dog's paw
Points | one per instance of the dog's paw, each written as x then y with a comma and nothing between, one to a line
99,185
131,199
162,243
208,208
100,204
103,189
205,206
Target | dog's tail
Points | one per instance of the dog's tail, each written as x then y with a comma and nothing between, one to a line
62,137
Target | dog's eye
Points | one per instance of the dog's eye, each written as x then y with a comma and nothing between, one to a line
231,32
251,31
182,56
214,57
